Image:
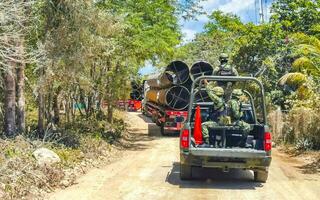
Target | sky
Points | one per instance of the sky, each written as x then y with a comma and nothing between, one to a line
247,10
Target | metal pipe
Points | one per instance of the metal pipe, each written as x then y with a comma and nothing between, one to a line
179,70
200,68
176,98
176,73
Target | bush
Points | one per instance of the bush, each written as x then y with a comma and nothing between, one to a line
305,123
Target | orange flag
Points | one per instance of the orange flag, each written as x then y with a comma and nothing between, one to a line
197,132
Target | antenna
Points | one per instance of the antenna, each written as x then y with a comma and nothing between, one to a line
261,12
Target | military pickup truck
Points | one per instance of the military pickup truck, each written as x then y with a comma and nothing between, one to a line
255,155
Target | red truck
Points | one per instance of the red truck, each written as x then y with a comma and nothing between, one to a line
134,105
170,121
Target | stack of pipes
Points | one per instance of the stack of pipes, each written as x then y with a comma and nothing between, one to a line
172,87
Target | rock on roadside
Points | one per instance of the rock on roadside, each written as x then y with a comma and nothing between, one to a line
45,156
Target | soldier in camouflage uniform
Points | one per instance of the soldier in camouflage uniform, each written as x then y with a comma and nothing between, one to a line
234,105
219,110
225,69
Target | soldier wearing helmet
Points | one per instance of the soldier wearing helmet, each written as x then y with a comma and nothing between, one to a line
235,113
224,68
234,105
219,111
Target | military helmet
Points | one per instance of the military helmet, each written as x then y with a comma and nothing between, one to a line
218,91
223,56
237,93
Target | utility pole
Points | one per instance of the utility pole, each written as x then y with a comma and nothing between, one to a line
261,12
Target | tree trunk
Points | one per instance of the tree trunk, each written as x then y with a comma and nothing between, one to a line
41,108
21,101
110,113
10,101
41,113
56,114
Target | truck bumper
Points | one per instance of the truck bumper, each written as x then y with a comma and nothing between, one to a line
226,158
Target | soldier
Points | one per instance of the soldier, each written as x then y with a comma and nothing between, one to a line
225,69
234,111
218,116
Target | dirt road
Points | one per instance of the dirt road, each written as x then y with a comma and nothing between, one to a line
150,170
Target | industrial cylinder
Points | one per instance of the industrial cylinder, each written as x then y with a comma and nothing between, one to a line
164,80
180,72
176,73
176,97
152,96
200,68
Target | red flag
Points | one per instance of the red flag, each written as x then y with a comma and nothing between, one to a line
197,127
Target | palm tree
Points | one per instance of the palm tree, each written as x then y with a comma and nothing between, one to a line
307,48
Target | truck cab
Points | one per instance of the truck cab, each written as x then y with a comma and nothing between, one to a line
231,153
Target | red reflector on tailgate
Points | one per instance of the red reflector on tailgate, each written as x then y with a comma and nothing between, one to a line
184,139
267,143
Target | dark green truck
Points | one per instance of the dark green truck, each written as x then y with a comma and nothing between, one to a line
255,156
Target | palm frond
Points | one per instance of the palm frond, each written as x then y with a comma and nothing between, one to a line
294,80
305,64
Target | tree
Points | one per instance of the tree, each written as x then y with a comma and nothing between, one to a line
307,49
12,60
297,15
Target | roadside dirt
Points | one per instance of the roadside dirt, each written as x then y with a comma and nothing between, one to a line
150,170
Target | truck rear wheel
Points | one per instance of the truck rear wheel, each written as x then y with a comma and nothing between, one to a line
185,172
261,176
158,123
153,118
162,130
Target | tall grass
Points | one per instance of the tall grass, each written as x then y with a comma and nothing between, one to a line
300,126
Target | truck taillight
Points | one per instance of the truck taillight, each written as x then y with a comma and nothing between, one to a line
184,139
170,113
267,143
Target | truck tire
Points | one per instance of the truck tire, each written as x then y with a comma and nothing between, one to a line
153,118
162,131
261,176
185,172
158,123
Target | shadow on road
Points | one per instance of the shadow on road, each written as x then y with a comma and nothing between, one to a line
213,179
311,168
136,143
154,130
145,118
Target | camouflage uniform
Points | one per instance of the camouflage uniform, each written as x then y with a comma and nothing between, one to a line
216,95
225,70
234,105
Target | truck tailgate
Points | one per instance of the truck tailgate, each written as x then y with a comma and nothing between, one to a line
228,153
